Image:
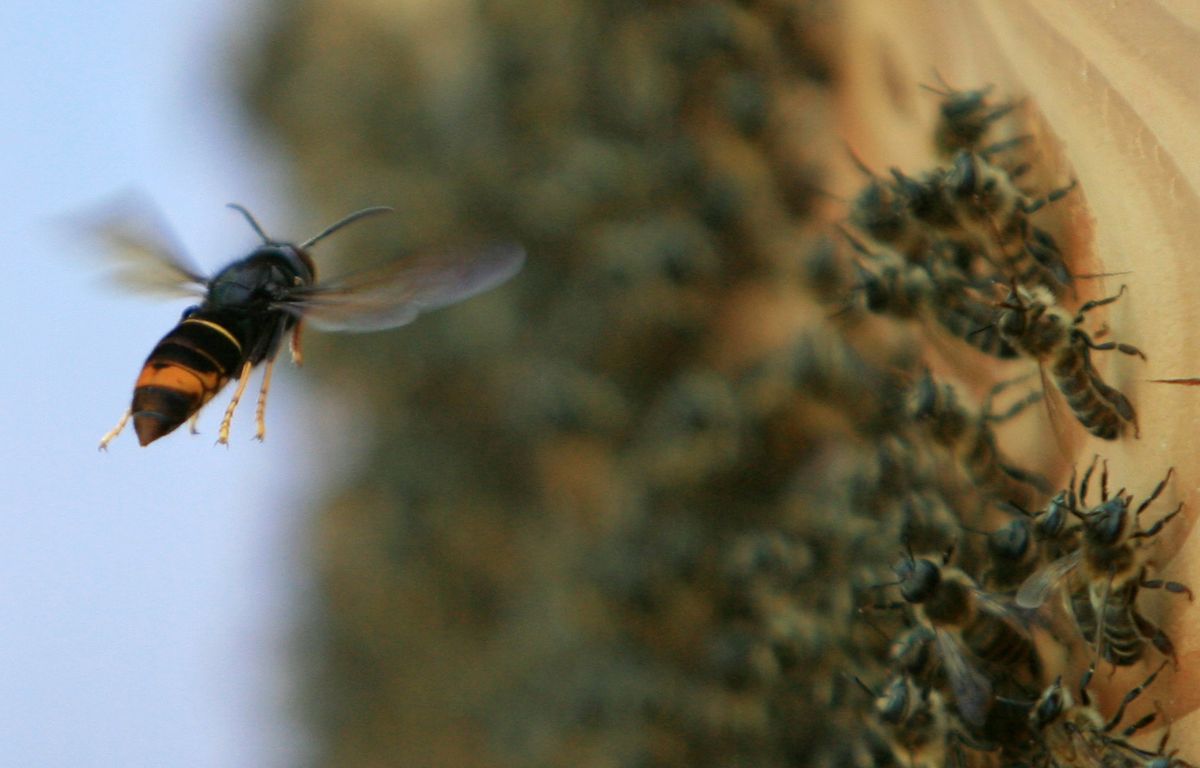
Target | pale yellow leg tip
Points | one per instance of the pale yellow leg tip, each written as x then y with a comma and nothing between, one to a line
112,433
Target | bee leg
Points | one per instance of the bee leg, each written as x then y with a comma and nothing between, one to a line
112,433
1154,529
1085,697
1162,741
1129,698
1006,145
260,411
1053,195
1087,478
1013,410
1088,306
1173,587
1127,349
1154,494
223,433
1157,637
1025,477
193,422
294,345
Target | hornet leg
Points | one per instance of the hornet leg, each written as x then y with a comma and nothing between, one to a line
260,429
112,433
294,345
223,435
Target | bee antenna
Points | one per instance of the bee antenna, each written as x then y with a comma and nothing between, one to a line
864,686
334,227
251,220
932,89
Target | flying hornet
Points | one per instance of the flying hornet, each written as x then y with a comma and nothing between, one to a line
249,307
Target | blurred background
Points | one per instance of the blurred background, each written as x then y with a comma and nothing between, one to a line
427,552
614,512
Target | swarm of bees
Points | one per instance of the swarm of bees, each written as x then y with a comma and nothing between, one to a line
1008,585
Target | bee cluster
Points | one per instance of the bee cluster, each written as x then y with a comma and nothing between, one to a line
650,504
963,651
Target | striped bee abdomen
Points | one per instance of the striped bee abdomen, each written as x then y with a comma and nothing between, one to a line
183,372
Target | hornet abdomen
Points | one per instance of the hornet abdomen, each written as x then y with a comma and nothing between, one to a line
184,371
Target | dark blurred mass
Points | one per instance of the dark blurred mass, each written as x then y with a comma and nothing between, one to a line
624,510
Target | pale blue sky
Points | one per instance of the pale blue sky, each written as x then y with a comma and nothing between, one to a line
144,592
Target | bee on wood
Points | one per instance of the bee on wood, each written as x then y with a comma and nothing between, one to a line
969,627
1050,335
987,203
881,211
965,117
1075,733
913,720
908,291
1013,554
975,202
250,306
1055,527
970,439
1104,575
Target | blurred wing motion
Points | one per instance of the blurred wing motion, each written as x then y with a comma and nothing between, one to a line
1042,582
395,293
142,254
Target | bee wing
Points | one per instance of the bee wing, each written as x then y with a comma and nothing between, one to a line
1059,425
1005,611
972,691
395,293
143,255
1034,591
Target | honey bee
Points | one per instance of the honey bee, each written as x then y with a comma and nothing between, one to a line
826,368
1109,567
965,117
1074,733
976,201
1049,334
1054,527
250,306
908,291
968,625
1013,553
913,720
970,439
987,203
881,210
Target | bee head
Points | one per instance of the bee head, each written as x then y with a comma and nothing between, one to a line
879,212
1105,524
1010,542
1050,705
919,578
1012,319
1053,519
